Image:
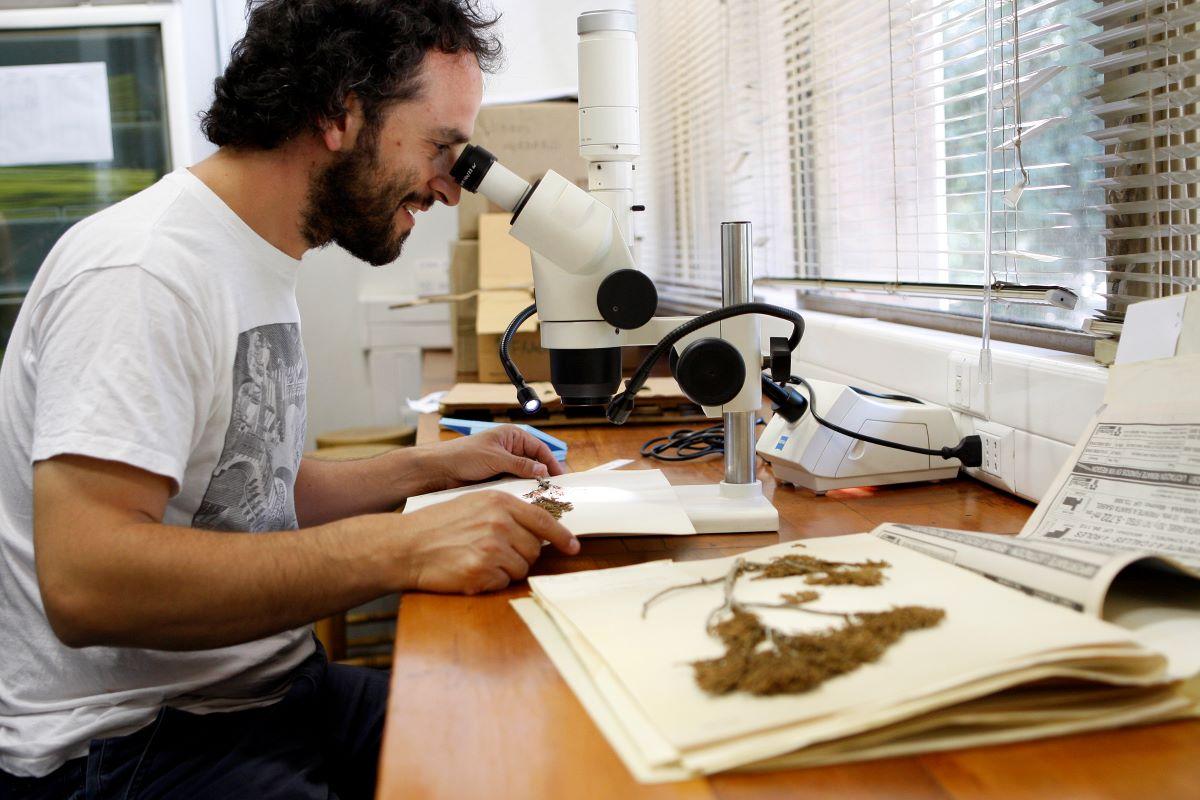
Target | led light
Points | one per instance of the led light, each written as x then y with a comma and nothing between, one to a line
528,399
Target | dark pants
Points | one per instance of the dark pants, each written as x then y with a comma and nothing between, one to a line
320,741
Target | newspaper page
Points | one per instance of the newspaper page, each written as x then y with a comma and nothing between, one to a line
1133,481
1157,600
1074,577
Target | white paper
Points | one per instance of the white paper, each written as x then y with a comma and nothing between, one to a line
975,651
624,738
427,404
1151,329
607,502
55,114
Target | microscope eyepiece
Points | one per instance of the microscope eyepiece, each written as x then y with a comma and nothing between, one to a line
472,167
477,170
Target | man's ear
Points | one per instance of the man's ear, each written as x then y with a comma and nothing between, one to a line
340,133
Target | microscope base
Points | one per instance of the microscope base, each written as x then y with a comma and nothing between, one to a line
728,508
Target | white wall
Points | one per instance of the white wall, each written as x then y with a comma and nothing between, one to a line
539,39
330,292
201,54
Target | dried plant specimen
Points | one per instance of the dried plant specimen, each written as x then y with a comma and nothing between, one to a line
821,572
764,661
548,495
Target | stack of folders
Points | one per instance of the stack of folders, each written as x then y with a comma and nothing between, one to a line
1056,639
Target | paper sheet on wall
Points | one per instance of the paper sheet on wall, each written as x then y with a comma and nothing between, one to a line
55,114
1133,481
636,502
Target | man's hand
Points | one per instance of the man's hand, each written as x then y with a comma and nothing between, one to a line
478,543
328,491
498,451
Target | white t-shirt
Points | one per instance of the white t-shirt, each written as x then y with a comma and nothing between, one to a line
163,333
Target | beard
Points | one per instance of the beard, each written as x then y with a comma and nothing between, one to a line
351,203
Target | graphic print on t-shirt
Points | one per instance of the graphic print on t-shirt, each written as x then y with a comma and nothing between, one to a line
251,487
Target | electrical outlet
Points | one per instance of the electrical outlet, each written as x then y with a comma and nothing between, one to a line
999,466
991,454
962,383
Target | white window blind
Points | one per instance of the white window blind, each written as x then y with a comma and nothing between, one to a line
1148,101
715,142
929,146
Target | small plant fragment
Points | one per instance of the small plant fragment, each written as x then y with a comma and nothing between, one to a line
547,495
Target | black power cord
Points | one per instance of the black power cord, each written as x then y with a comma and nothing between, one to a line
621,406
969,450
688,444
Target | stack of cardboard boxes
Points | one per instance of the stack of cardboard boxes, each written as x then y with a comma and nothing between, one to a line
528,139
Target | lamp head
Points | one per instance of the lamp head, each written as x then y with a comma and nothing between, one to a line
528,400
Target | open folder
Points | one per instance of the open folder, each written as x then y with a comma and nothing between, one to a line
1019,654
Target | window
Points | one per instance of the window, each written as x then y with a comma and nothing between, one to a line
140,61
959,156
1148,102
715,144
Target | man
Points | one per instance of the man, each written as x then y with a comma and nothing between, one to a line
163,545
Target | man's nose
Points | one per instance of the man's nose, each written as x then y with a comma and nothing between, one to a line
445,189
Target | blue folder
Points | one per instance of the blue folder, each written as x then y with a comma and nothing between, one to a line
469,426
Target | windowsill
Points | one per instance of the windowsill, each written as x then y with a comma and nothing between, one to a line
1045,396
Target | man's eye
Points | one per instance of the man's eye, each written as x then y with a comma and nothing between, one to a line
442,148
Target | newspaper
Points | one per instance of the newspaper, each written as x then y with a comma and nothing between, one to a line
1156,598
1074,577
1133,481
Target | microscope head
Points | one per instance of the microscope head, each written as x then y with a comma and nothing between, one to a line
575,232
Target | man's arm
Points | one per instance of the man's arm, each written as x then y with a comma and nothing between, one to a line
327,491
333,490
110,573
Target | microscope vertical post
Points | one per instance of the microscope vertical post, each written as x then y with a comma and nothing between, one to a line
737,286
737,504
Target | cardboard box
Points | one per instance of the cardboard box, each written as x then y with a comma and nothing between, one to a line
504,262
464,277
528,138
495,310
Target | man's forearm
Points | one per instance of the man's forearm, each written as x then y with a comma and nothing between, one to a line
333,490
171,588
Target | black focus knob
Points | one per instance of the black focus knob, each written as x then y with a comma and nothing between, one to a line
627,299
710,371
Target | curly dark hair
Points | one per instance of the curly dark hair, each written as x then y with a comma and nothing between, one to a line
300,59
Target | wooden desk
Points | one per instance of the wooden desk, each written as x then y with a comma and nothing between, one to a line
477,710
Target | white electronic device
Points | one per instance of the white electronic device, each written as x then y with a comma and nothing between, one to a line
809,454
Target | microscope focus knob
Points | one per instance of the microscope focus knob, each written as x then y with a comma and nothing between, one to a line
627,299
710,371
